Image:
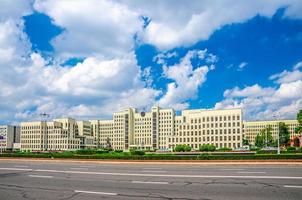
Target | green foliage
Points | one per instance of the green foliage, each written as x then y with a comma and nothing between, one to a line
207,147
284,134
127,156
264,138
118,151
299,117
291,148
225,149
137,152
182,148
245,141
296,142
298,129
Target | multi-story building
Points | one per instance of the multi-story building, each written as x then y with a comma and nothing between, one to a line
85,133
9,135
57,135
252,128
162,129
221,128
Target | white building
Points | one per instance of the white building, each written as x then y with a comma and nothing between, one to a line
9,135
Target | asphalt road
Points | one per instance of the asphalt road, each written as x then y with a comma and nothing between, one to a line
67,180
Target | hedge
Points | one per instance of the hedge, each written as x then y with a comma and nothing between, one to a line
127,156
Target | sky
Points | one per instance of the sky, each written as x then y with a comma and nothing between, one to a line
88,59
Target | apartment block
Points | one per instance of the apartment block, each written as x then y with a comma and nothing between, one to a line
9,135
252,128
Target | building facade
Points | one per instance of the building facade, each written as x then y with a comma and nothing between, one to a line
252,128
9,135
58,135
162,129
221,128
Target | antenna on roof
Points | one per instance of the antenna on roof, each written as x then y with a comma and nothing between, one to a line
44,116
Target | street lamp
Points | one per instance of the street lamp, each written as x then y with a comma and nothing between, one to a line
278,135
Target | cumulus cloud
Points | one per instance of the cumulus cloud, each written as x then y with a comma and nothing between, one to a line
266,102
92,27
172,26
288,76
186,80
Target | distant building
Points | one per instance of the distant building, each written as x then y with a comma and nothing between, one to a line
252,128
57,135
9,135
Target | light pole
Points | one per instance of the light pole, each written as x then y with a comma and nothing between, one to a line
278,136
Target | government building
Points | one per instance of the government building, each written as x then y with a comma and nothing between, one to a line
158,129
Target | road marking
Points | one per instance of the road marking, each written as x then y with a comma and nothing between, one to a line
251,172
79,168
93,192
39,176
16,169
230,169
20,166
156,175
170,175
149,182
151,168
293,186
154,171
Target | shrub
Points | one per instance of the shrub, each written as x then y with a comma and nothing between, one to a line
291,148
225,149
207,147
182,148
118,151
136,152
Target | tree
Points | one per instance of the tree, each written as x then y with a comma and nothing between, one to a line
245,141
259,142
264,137
296,142
207,147
284,134
182,148
298,129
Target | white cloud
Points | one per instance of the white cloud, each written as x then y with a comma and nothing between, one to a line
266,102
242,66
186,81
172,26
288,76
92,27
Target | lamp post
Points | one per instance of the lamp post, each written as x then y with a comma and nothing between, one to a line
278,136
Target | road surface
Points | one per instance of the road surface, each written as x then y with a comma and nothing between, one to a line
26,179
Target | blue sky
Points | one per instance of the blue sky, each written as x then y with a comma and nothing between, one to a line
89,59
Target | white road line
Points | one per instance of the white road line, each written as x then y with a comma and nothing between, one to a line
151,168
154,171
251,172
93,192
156,175
16,169
79,168
171,175
20,166
39,176
292,186
149,182
230,169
